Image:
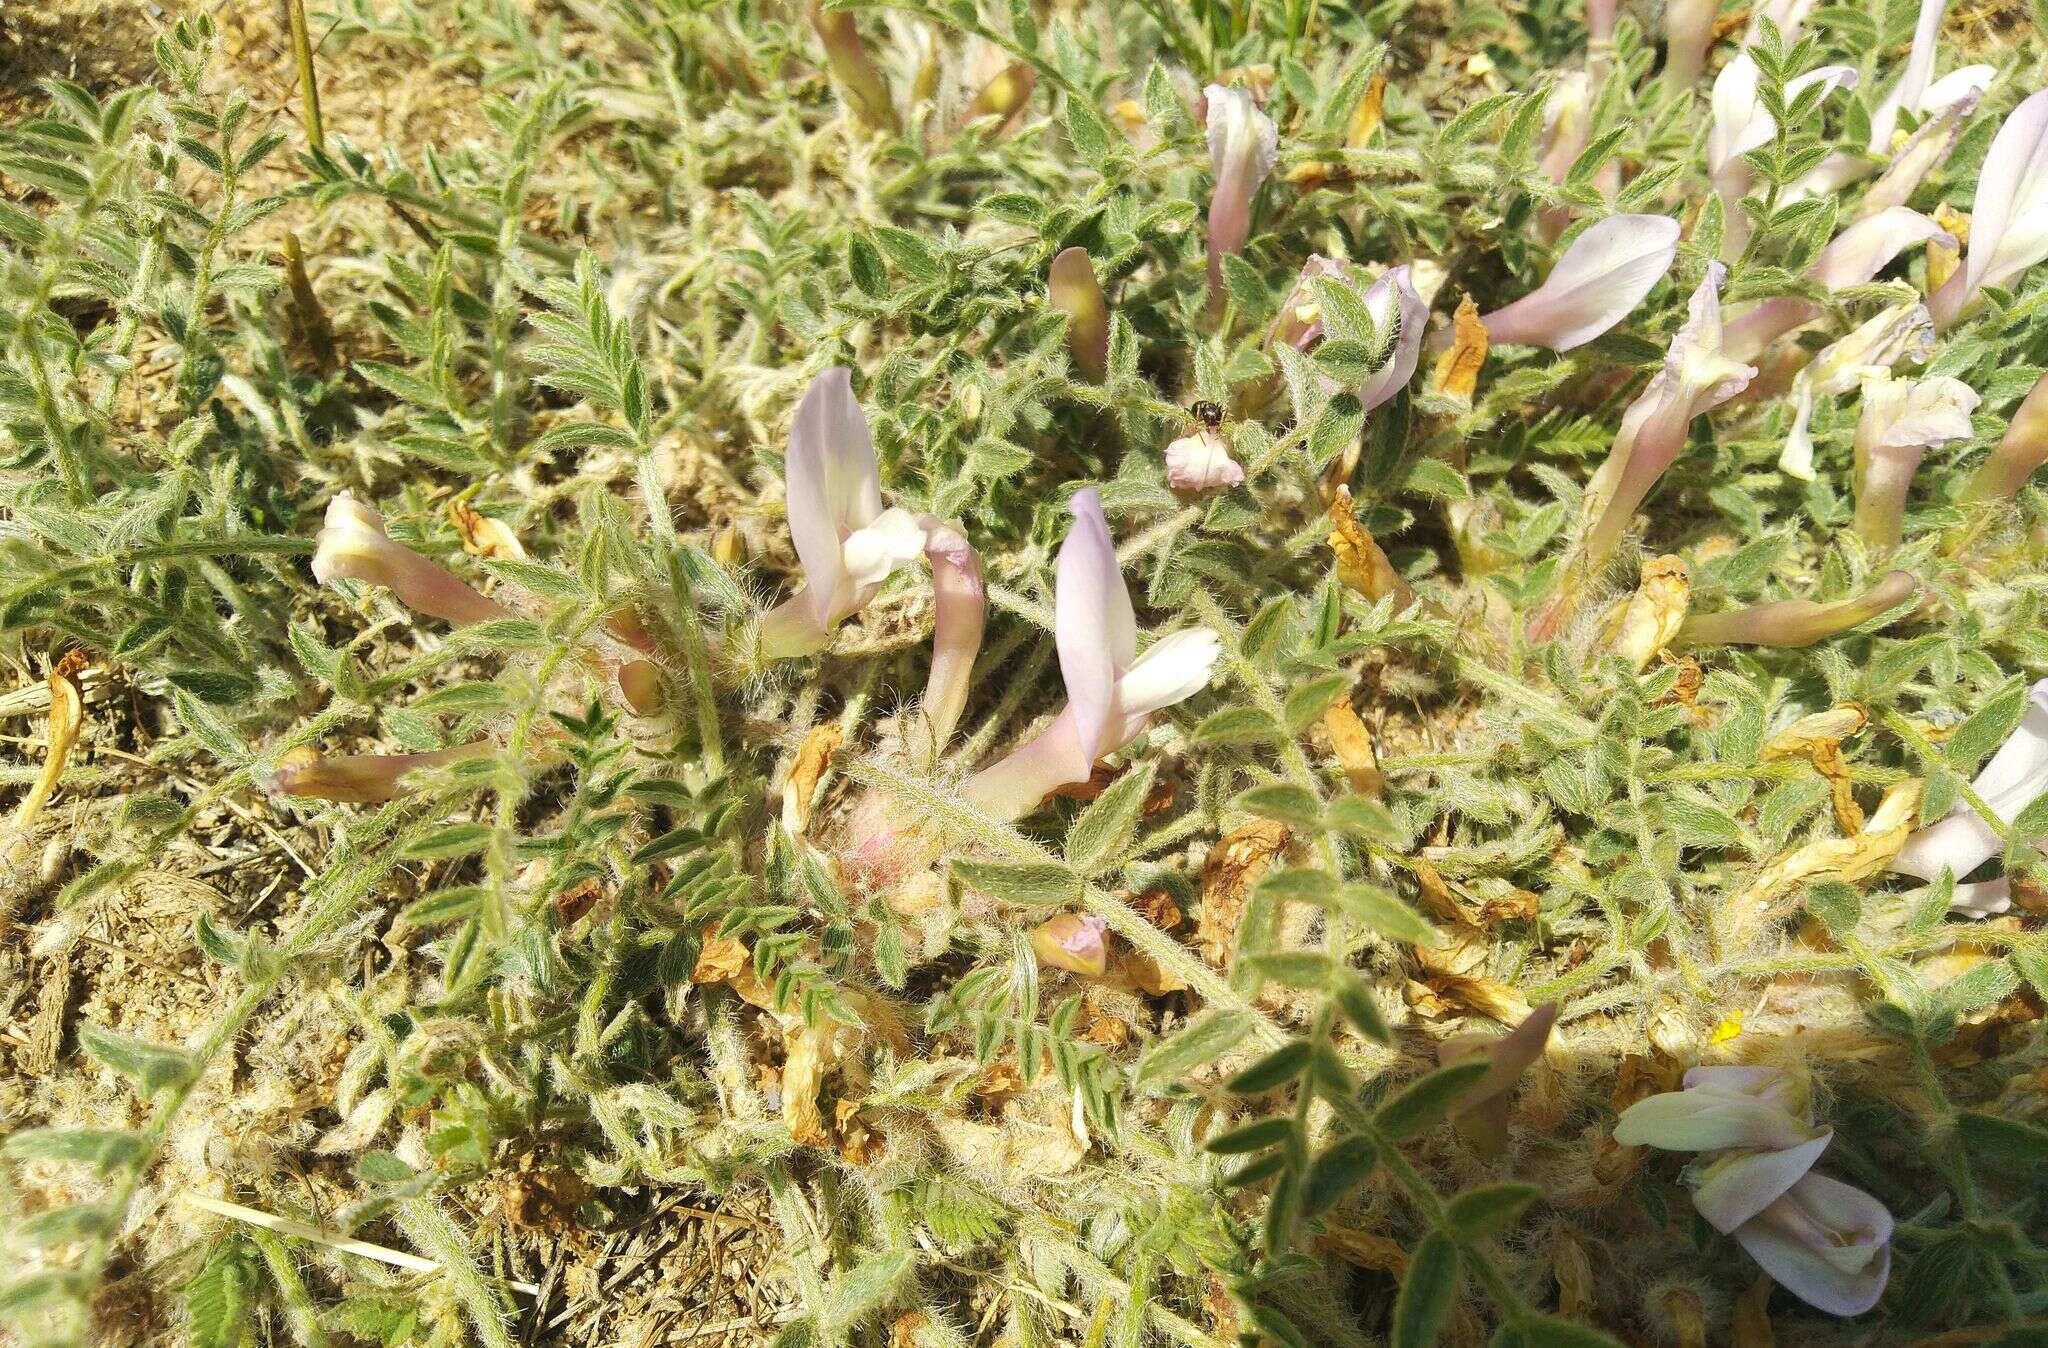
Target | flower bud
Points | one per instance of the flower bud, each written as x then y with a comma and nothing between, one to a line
1201,462
353,546
1244,145
1076,942
1901,418
1073,289
1797,622
358,779
860,80
2022,449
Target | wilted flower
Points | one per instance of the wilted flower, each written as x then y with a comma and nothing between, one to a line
353,546
1961,840
848,544
1201,462
1076,942
358,779
1901,333
1797,622
1855,256
1299,323
1901,419
1112,690
1482,1113
961,601
2009,225
2022,449
1072,288
1604,273
860,79
1697,376
1243,147
1688,32
1929,145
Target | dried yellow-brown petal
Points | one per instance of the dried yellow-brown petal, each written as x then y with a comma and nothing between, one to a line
1574,1276
1457,370
67,718
1363,1250
1234,865
1853,859
813,756
1818,739
807,1056
1361,565
1149,976
481,535
1752,1327
858,1143
720,959
1654,613
1459,972
1365,117
1353,743
1437,896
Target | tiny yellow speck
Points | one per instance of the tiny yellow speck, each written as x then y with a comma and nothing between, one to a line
1728,1028
1480,65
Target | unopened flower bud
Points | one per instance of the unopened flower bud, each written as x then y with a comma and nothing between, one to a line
1073,289
640,682
859,78
1797,622
358,779
1076,942
2022,449
1201,462
353,546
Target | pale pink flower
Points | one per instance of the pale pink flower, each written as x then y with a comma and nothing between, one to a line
1697,376
1740,123
1797,622
1825,1242
1901,419
847,543
1603,274
352,545
359,779
1201,462
1244,145
1962,840
1072,288
1901,334
961,601
1855,256
1393,304
2009,223
1112,690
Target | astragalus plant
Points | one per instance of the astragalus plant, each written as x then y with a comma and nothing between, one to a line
1273,673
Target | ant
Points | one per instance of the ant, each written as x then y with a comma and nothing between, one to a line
1208,413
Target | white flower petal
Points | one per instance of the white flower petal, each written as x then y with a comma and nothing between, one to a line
1172,669
1093,624
1826,1242
1738,1186
1602,276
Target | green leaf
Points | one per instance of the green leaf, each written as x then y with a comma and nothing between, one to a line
1382,912
1032,883
1105,829
104,1149
1284,801
1986,729
1364,817
1489,1209
1312,699
864,1287
1551,1331
1427,1293
454,841
1237,725
1336,1172
151,1066
1281,1065
1209,1038
1251,1137
2008,1144
1426,1102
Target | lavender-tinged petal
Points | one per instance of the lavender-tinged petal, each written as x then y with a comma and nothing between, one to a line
1736,1188
1602,276
2009,226
1076,942
1093,624
833,485
1392,299
1928,146
1244,145
1018,783
1827,1243
1984,898
1750,333
1868,246
961,603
